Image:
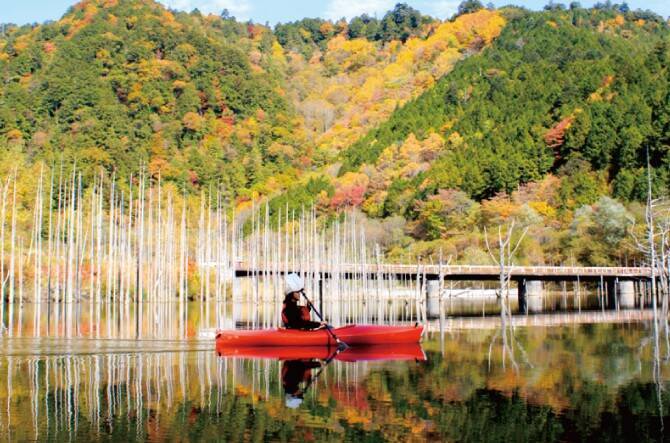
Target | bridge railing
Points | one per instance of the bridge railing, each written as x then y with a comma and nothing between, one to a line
447,270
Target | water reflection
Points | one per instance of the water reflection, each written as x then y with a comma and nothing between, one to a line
587,381
150,371
166,320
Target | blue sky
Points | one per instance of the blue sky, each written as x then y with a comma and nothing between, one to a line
273,11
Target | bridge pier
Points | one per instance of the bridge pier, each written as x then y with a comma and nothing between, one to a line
235,289
530,295
620,293
626,294
433,296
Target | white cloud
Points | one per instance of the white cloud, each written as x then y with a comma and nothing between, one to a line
337,9
444,8
238,8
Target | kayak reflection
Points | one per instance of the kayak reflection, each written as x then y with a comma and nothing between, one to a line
299,362
353,354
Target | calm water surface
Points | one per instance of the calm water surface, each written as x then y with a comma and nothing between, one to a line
79,374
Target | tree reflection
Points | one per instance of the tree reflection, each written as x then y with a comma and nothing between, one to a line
659,323
584,385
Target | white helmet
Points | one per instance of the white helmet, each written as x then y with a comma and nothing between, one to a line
293,283
292,401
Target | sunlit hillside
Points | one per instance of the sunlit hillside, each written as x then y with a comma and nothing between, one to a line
205,100
429,130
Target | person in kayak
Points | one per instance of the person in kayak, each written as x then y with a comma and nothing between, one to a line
293,315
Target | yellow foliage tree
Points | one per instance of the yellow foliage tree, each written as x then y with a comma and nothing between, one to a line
193,121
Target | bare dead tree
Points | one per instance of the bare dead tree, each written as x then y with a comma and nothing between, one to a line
503,257
663,251
654,246
506,254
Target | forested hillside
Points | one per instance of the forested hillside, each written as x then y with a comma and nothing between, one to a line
429,130
549,126
556,91
116,84
208,101
347,83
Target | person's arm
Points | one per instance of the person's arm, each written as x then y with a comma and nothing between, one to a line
308,324
307,318
314,364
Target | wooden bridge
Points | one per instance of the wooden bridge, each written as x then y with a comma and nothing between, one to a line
452,272
619,285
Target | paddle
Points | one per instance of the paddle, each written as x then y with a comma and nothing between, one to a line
323,366
340,343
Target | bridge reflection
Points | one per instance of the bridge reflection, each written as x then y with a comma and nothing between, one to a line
554,319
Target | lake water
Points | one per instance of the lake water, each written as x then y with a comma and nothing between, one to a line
119,373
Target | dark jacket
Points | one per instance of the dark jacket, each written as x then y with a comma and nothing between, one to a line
294,316
295,372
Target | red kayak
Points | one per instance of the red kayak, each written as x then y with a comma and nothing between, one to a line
361,353
353,335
